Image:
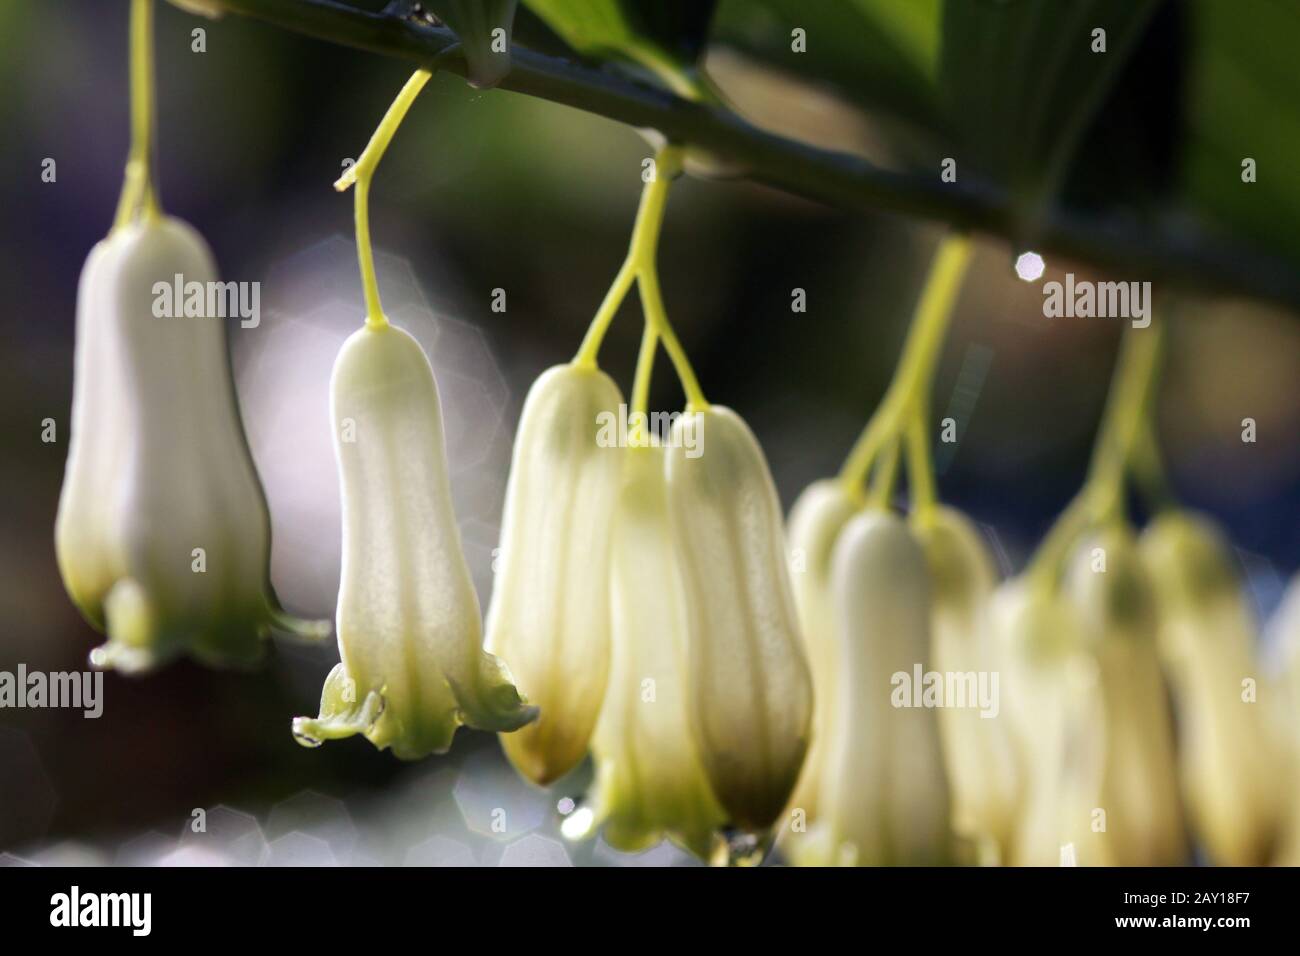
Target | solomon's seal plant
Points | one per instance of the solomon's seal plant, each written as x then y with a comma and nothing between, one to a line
413,667
162,534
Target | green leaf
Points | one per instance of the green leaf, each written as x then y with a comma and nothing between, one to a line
880,55
1242,103
1021,82
664,36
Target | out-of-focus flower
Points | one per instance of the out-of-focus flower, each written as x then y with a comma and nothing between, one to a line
1115,607
748,686
162,535
977,747
649,780
1228,754
413,667
1051,693
549,615
1284,642
816,520
883,798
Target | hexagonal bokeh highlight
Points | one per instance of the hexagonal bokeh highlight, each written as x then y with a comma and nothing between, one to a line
495,801
299,849
226,833
315,815
535,850
440,851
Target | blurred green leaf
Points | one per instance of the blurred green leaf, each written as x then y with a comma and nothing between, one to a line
663,36
1021,82
1242,103
878,54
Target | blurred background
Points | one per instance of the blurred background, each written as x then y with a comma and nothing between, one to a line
492,190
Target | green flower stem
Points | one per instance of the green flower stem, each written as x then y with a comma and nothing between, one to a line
360,174
1125,425
139,192
644,369
640,267
911,381
885,476
920,466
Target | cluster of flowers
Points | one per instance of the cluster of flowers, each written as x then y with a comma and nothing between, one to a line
645,601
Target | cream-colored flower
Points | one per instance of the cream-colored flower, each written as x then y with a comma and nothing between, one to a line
977,746
1284,701
748,686
816,520
413,667
549,615
162,535
1051,693
1115,607
649,780
1228,753
883,798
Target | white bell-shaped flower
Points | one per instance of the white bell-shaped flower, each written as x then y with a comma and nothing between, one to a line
883,798
1051,692
549,615
978,751
1228,752
1115,607
816,519
162,535
649,780
749,688
413,667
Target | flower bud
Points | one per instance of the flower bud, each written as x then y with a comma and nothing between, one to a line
815,523
884,794
413,667
649,781
550,607
1051,693
162,535
1112,597
1227,753
977,747
748,686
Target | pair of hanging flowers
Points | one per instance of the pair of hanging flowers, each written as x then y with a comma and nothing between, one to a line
645,611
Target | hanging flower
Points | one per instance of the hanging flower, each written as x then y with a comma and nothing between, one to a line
978,751
748,686
413,667
1284,701
1113,602
883,798
162,535
550,614
815,523
649,780
1227,751
1052,696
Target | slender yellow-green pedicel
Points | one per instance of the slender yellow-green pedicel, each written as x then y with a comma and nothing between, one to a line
550,606
1228,754
1139,788
649,780
413,668
162,534
749,688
